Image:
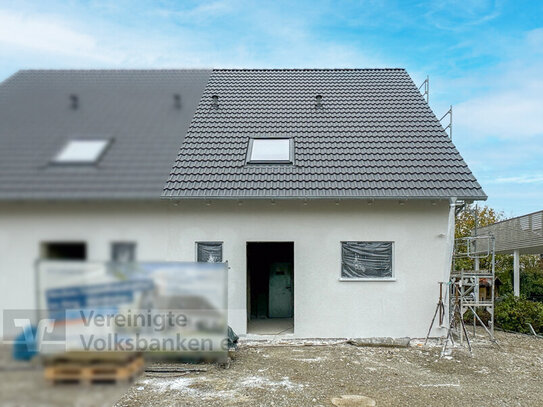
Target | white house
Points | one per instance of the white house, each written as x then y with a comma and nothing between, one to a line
329,192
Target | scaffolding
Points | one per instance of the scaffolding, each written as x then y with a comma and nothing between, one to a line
472,288
425,89
449,126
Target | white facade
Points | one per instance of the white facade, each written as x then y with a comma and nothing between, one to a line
324,306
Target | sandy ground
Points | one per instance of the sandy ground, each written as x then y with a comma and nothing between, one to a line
279,375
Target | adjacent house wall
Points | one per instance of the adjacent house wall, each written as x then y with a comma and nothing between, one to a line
324,306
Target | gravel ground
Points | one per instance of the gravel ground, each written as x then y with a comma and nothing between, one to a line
511,375
294,375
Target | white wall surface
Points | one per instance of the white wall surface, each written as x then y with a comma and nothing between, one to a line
324,306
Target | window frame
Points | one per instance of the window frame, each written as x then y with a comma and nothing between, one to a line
55,159
392,277
218,242
260,162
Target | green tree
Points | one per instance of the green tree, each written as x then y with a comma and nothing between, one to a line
465,224
531,277
465,221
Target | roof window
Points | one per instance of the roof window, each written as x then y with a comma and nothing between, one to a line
270,150
81,152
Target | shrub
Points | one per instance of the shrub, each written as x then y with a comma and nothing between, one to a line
514,313
481,313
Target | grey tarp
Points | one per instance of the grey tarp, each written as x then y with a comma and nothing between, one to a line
210,252
366,259
123,252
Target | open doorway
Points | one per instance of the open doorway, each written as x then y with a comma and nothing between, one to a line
270,288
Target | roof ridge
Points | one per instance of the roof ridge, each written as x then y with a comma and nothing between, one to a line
178,70
308,69
118,70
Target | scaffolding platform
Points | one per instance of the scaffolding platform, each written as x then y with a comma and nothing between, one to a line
473,288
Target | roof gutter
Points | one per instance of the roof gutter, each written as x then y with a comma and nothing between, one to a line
330,198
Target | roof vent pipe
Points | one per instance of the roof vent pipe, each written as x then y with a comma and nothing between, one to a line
318,101
177,100
215,101
74,101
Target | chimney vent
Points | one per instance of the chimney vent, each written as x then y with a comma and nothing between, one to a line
318,101
74,101
215,101
177,100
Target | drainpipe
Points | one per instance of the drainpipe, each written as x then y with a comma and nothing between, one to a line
449,256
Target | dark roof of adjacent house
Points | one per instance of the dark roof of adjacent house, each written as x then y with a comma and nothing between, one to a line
136,110
374,137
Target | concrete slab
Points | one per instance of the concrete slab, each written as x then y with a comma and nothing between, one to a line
271,326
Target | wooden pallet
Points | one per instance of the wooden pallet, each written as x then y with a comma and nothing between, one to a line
93,370
89,357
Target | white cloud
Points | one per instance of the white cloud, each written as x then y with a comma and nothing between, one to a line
172,39
46,35
507,114
201,12
458,15
509,103
522,179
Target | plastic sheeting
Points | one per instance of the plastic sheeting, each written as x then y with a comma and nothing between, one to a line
366,260
210,252
123,252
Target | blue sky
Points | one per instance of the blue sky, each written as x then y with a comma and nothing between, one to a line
483,57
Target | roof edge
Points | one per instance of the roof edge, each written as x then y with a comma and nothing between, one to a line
304,69
338,197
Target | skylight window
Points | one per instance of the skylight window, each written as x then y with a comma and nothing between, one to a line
270,150
81,151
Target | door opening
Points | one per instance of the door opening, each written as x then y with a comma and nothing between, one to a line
270,287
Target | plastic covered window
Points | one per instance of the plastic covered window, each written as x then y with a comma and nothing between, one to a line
366,260
209,252
123,252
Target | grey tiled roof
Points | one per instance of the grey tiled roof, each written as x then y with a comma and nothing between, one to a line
374,137
134,108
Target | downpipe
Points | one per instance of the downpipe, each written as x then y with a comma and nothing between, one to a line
448,259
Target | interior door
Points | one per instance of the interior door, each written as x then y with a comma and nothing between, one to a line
280,291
